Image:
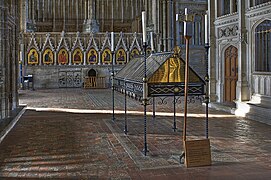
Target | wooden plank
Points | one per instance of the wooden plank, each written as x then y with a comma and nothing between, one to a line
197,153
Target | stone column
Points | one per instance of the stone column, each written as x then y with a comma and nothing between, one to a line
212,13
55,58
231,6
170,24
54,16
2,15
112,15
23,16
102,14
64,16
39,7
77,14
242,90
91,24
33,11
99,58
70,58
86,11
164,25
40,59
154,15
85,58
43,11
29,9
15,69
89,9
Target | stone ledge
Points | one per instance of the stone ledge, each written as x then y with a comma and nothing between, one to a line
8,123
257,112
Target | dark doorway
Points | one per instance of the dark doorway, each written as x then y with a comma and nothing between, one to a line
92,73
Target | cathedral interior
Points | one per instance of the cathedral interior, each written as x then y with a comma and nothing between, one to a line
72,45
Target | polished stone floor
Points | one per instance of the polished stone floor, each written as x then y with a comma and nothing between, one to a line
69,134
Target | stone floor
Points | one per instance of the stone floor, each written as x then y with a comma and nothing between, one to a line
69,134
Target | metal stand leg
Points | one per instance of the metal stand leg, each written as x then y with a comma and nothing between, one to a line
125,109
174,117
153,108
113,89
145,94
207,46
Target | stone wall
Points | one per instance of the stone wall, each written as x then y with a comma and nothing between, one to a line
8,57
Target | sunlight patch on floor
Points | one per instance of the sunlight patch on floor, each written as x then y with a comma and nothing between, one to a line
168,114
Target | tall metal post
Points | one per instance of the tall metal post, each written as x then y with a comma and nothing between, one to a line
112,76
187,35
174,116
187,38
125,109
145,90
207,99
113,88
145,150
153,108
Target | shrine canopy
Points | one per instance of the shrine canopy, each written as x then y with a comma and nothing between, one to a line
165,76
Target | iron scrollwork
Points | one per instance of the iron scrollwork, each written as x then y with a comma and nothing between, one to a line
162,100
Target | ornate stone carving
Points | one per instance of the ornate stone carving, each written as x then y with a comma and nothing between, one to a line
228,31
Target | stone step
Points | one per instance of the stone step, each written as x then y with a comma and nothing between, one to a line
260,113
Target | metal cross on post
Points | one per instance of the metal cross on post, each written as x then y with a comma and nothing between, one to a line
189,18
196,152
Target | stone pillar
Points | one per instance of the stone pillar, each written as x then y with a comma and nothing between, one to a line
242,90
55,58
54,16
28,9
91,24
212,12
77,14
154,15
86,11
85,58
15,65
90,9
170,24
33,11
2,15
164,25
40,59
99,58
231,6
43,11
70,58
64,15
23,15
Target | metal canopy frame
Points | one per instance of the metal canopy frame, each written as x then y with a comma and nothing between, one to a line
129,81
129,78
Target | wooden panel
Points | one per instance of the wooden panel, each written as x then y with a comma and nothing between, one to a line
197,153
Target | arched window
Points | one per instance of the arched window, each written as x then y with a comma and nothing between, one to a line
263,47
257,2
227,7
